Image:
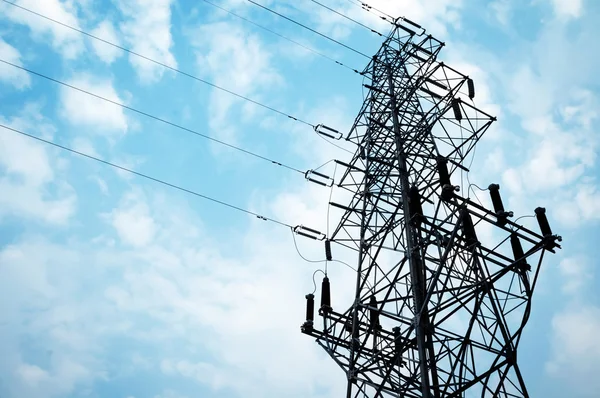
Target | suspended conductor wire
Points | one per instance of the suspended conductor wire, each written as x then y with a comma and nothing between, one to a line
330,196
475,193
525,216
462,185
514,229
313,279
237,148
300,254
477,186
369,8
346,17
473,156
146,176
307,28
323,165
161,64
334,144
317,261
283,37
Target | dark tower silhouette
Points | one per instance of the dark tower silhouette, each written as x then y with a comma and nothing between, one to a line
445,316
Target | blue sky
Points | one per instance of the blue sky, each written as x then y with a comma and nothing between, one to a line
113,286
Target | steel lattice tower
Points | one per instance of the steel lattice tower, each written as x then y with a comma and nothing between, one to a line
444,316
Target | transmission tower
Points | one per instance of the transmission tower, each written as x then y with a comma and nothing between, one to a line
444,284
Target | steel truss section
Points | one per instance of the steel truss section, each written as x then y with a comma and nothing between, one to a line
444,319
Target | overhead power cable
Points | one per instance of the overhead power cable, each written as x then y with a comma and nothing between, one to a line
146,176
148,115
308,28
346,17
161,64
283,37
369,8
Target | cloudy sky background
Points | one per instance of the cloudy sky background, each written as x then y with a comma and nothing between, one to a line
114,286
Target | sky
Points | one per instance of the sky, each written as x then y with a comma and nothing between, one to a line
116,286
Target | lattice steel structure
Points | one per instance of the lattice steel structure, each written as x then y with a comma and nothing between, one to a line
444,285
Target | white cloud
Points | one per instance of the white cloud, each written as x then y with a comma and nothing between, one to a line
191,286
176,284
234,56
28,172
25,157
32,374
581,205
576,349
127,161
83,144
239,61
170,394
554,106
40,299
588,201
147,31
205,373
501,10
575,275
30,201
434,15
83,110
107,53
568,8
9,74
68,42
132,221
102,185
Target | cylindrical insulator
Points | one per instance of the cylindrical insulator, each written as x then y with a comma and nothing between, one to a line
397,342
517,249
468,227
328,250
414,203
496,199
325,294
310,307
348,326
397,347
373,312
540,214
456,109
442,169
447,192
471,87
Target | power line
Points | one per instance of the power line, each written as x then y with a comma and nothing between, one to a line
365,6
306,27
346,17
180,127
147,176
383,15
161,64
283,37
